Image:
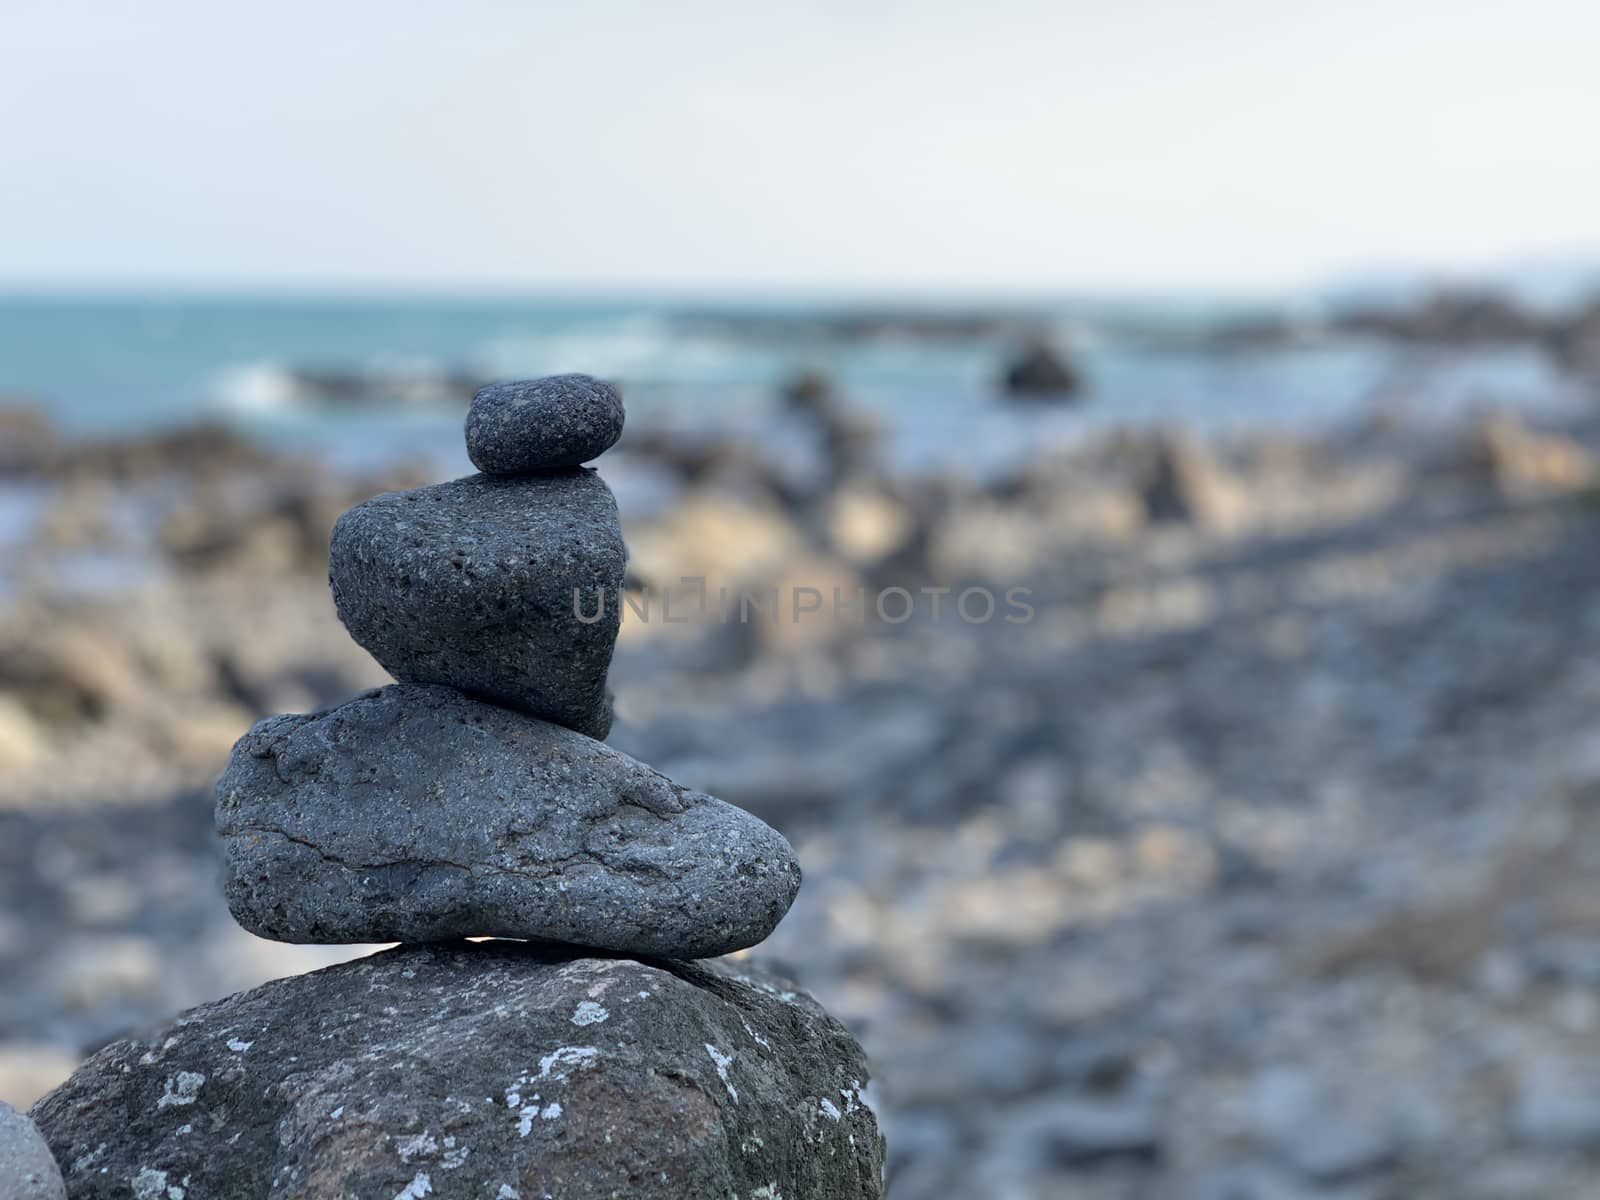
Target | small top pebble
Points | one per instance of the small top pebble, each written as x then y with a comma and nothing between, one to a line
542,424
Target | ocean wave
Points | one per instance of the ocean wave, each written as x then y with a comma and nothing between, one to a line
634,349
254,388
399,384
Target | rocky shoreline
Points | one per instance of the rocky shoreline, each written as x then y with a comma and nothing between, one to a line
1256,864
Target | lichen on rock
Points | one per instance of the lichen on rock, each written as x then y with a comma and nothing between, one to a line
458,1070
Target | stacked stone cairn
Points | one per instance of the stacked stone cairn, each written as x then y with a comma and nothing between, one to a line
587,1057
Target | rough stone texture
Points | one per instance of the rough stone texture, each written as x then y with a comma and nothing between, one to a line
471,583
484,1070
415,813
27,1169
536,424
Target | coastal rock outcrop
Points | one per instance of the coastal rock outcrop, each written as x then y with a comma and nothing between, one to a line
1040,372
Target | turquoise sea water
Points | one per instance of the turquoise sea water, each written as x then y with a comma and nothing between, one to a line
370,376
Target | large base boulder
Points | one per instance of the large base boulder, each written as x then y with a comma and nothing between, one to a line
495,1069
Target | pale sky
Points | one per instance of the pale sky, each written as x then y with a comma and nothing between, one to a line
1007,144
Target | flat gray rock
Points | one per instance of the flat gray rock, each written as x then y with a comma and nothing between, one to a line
416,814
537,424
479,583
486,1070
28,1171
